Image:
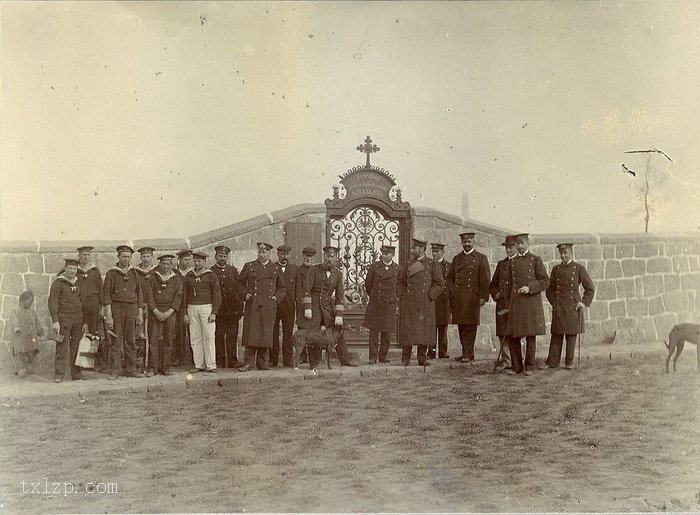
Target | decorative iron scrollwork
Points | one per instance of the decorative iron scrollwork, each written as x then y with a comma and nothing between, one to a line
360,235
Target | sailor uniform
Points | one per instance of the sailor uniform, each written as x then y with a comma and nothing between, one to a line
202,298
66,308
122,291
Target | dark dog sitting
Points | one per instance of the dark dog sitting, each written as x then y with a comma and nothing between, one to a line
314,341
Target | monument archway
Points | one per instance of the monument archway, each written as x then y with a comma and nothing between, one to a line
365,212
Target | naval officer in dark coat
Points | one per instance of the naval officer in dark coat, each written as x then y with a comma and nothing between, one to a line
230,311
323,303
286,310
468,281
526,279
442,306
380,317
264,287
419,284
498,294
567,303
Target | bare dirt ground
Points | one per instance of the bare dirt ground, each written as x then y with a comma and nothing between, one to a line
614,436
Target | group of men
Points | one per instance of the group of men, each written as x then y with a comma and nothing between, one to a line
193,306
431,293
190,307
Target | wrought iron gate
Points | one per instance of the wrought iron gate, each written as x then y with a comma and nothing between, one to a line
366,212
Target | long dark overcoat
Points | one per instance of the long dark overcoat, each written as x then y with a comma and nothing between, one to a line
419,285
381,285
262,283
498,293
442,303
525,310
468,282
563,294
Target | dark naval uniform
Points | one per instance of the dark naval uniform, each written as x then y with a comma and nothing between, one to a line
419,284
90,282
380,317
286,311
66,308
228,317
142,329
498,294
165,293
442,316
182,350
468,283
323,294
122,290
525,311
264,285
564,294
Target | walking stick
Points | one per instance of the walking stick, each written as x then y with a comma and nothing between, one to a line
148,343
498,358
578,337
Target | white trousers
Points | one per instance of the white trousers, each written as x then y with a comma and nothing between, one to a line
202,336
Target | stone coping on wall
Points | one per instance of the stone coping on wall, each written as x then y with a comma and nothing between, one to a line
429,212
283,215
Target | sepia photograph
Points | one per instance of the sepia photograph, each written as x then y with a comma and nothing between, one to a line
349,257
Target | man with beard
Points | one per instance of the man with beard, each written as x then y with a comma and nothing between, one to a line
230,311
442,306
419,284
380,317
122,297
202,299
300,283
262,281
285,310
468,281
165,299
144,269
497,290
564,295
67,315
526,279
324,291
182,352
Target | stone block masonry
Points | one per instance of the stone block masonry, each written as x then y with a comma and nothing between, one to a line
644,283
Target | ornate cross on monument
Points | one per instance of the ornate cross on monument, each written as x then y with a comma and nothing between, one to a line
368,148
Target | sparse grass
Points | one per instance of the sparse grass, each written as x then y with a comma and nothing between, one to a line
461,439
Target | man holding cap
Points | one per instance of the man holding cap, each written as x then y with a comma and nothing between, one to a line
498,294
285,310
262,281
202,299
419,284
67,315
564,295
122,297
468,281
526,279
230,311
323,303
182,352
164,300
143,269
380,317
442,306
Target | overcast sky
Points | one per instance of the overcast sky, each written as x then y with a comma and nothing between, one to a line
136,120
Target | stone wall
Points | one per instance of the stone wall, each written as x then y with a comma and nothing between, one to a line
644,283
